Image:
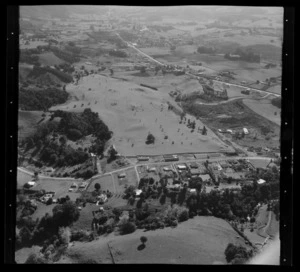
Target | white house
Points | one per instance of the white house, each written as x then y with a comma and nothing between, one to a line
261,181
245,131
181,167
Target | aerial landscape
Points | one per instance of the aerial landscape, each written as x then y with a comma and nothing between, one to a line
148,135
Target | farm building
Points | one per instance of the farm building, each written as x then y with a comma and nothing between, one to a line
245,131
181,167
261,181
169,158
122,175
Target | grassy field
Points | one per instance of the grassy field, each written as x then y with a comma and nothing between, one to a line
130,179
28,121
32,44
50,59
265,108
131,114
201,240
105,182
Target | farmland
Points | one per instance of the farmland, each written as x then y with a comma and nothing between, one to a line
193,242
145,126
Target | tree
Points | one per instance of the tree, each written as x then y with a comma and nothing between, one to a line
204,131
150,139
143,70
143,239
126,227
97,186
65,214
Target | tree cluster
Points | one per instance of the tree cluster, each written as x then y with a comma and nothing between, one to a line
47,228
206,50
30,99
118,53
244,55
237,254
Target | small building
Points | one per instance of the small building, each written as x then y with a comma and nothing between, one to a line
245,130
152,169
181,167
122,175
102,198
138,192
229,131
193,191
261,181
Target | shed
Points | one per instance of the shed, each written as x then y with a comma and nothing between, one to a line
181,167
245,131
123,175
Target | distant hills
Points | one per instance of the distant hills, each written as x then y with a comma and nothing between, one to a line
59,11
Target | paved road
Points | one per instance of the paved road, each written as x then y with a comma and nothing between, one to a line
187,73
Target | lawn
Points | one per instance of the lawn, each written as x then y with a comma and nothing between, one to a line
105,182
130,179
201,240
49,59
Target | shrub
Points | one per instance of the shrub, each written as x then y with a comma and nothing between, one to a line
126,227
65,214
183,215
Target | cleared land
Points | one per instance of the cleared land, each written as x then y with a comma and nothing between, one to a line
192,242
264,108
132,112
50,59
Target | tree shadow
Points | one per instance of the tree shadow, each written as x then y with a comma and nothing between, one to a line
141,247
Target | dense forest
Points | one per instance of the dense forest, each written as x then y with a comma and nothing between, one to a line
71,126
41,99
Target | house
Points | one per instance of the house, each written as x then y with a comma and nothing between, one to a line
122,175
102,198
73,187
152,169
229,131
83,185
245,131
261,181
138,192
181,167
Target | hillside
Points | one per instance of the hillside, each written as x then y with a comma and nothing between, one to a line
201,240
